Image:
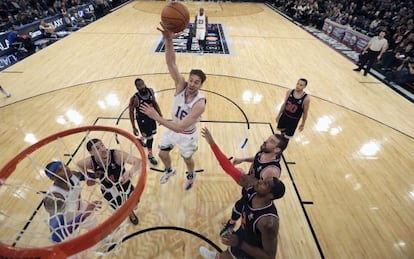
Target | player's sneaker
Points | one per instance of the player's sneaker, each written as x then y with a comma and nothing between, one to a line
190,180
167,174
152,160
207,254
228,228
133,218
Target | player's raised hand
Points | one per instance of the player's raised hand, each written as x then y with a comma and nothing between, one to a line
205,133
149,110
237,161
167,34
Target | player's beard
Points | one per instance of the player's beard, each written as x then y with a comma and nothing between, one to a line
263,148
143,91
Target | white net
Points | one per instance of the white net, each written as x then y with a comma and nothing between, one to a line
44,207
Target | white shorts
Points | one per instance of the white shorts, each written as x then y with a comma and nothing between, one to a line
200,34
186,143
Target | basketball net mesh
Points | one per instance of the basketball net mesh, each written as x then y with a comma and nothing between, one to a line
25,222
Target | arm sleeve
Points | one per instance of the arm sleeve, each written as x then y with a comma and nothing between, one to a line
227,166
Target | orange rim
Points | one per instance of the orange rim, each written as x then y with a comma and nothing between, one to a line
90,238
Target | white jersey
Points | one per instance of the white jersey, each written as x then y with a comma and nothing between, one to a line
201,22
71,197
181,109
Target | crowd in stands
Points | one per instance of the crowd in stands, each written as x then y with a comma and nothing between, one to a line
15,13
29,25
368,17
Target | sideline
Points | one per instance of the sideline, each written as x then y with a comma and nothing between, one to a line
347,52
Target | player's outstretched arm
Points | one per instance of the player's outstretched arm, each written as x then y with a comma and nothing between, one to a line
170,58
240,178
133,102
155,103
86,169
181,125
123,157
237,161
306,105
282,108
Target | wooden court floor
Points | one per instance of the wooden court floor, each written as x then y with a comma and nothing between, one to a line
349,174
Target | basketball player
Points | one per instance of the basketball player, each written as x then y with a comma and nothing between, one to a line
265,164
108,166
67,211
188,106
147,126
257,235
295,106
200,27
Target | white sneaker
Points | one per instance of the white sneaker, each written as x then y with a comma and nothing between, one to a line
190,180
207,254
167,175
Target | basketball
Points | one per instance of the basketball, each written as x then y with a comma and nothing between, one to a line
175,16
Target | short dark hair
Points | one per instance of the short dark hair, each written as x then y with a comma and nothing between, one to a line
199,73
282,142
137,81
304,80
91,142
278,188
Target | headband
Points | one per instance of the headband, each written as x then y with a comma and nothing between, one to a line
53,168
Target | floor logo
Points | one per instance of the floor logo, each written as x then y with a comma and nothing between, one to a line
216,42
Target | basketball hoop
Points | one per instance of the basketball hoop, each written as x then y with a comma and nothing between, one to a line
68,141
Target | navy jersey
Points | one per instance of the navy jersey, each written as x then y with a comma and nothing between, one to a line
114,171
294,107
250,217
115,192
257,166
148,98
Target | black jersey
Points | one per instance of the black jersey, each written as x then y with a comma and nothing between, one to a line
147,98
293,106
115,192
111,175
257,166
250,217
